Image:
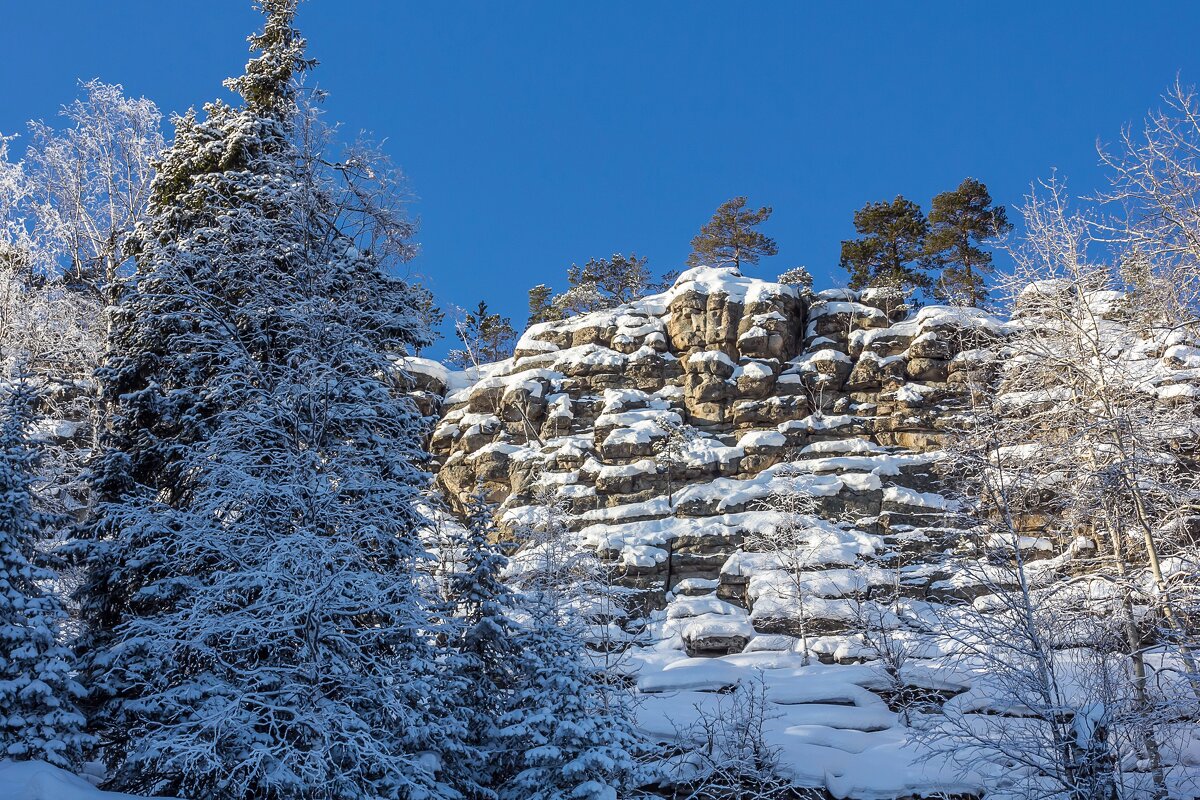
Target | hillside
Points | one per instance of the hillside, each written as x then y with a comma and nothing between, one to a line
768,475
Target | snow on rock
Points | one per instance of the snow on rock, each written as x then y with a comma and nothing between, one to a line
763,472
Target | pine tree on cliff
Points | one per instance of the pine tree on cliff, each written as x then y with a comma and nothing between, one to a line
541,306
255,626
730,238
486,337
38,693
604,283
891,248
959,221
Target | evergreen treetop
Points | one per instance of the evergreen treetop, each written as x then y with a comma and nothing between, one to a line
959,221
891,248
486,337
730,238
604,283
254,621
541,306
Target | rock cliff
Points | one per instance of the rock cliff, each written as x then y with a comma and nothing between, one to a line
671,432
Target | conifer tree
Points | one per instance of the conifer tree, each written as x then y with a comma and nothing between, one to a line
541,305
604,283
254,622
959,221
485,660
568,727
38,694
730,238
486,337
570,731
891,249
799,277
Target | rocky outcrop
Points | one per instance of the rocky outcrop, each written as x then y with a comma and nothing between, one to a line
842,396
763,471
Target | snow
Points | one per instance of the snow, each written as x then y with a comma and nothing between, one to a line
712,357
817,422
37,780
809,361
762,439
853,445
831,732
913,393
426,366
908,497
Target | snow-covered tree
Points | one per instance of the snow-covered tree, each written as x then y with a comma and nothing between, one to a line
1154,194
68,211
569,727
90,182
485,659
1077,441
38,691
799,277
486,337
604,283
255,627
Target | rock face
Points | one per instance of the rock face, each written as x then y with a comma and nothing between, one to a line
840,396
761,469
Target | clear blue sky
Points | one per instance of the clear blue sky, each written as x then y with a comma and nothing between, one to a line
538,134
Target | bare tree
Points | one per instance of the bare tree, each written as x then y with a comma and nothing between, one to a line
790,541
1074,445
1155,201
1087,400
90,182
728,753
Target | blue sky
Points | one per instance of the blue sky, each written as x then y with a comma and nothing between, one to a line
536,134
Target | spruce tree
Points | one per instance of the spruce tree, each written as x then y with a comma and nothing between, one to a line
891,249
255,628
730,238
959,221
568,728
38,694
485,658
571,732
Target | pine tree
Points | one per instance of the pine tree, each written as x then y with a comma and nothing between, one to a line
604,283
541,306
799,277
730,238
432,318
255,627
486,338
571,731
485,659
38,694
958,222
891,250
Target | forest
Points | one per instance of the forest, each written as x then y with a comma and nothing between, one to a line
688,531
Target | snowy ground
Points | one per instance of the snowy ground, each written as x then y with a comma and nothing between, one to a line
37,780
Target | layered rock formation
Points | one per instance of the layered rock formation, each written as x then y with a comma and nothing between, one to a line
839,396
684,435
